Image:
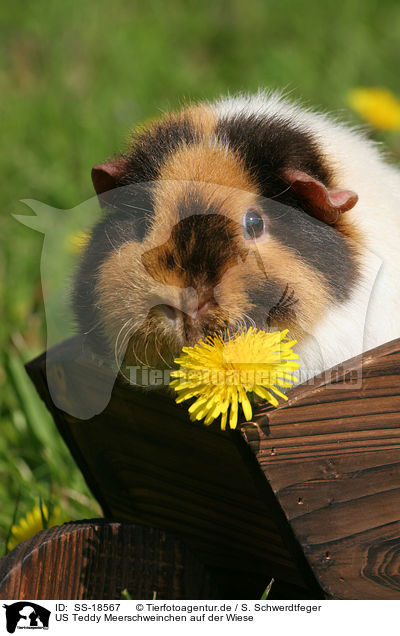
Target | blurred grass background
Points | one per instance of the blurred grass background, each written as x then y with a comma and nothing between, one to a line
74,77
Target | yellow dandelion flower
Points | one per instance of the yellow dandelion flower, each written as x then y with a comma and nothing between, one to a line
378,106
219,373
32,524
77,241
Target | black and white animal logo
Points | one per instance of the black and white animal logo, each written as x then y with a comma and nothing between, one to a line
26,615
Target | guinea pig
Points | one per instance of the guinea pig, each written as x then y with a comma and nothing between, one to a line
249,211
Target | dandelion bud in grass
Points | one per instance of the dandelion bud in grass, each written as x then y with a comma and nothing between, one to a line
220,373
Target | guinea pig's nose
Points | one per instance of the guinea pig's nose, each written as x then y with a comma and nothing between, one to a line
202,308
190,304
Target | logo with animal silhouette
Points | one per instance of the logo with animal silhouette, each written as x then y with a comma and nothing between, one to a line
26,615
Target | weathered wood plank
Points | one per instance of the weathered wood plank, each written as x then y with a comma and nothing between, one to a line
97,559
362,566
332,458
146,462
299,499
316,481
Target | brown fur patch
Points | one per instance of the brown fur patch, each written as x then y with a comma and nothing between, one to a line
202,117
209,172
127,300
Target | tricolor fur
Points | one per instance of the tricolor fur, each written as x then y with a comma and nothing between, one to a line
171,263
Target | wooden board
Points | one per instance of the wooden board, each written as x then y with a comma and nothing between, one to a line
97,559
309,495
332,458
147,463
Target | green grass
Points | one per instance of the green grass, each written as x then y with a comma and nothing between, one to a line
74,77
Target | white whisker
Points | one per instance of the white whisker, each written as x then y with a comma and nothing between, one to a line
156,342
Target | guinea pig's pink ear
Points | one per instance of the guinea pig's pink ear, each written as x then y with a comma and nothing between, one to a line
324,203
107,176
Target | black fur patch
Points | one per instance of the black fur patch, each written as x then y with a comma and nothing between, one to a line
268,147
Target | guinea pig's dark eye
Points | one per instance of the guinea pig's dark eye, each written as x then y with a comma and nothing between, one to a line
253,224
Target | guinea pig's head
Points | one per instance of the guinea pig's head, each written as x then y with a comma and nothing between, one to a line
213,223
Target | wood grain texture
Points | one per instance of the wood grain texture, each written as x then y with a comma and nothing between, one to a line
332,457
97,559
310,495
147,463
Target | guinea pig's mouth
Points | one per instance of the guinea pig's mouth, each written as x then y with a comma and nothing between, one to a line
167,329
187,328
192,325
